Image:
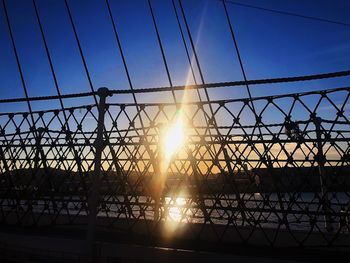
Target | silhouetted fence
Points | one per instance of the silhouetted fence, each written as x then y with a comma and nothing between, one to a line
278,172
268,170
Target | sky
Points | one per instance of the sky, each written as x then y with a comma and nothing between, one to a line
271,45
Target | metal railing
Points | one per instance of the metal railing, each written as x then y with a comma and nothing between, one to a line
278,173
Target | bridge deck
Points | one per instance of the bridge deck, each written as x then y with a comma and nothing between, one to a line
68,244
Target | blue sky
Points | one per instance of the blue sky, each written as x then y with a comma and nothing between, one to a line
271,45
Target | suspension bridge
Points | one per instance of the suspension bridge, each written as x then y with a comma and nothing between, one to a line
113,176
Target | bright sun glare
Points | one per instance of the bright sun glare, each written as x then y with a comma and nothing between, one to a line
173,139
176,208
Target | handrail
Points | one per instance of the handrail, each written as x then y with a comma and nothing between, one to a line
189,87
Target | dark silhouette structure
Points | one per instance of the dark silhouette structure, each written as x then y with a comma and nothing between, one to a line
262,172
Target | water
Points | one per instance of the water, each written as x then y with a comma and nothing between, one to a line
303,211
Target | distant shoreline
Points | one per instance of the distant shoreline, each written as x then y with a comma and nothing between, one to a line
263,180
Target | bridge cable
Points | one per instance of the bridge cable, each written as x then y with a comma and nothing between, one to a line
246,83
243,72
251,101
50,62
66,119
120,49
185,45
191,87
288,13
138,109
117,38
191,67
212,120
187,53
242,82
131,86
80,50
240,60
161,48
19,64
195,56
188,56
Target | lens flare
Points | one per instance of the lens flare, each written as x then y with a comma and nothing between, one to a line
176,209
173,139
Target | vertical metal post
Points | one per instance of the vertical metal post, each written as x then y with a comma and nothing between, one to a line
38,153
93,199
323,180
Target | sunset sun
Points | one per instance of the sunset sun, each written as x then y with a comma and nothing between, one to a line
173,139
